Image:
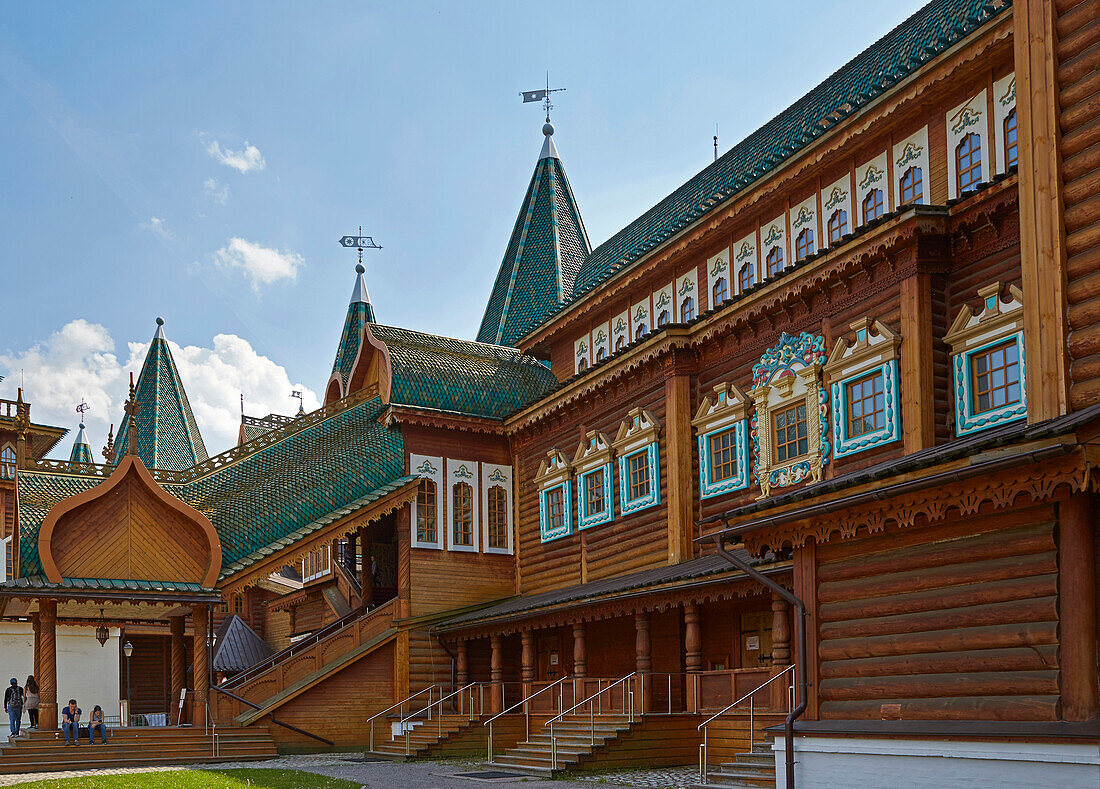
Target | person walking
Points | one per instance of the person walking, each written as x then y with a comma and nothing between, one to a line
13,703
30,701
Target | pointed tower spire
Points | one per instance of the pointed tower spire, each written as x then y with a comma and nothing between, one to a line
546,250
164,433
360,313
82,452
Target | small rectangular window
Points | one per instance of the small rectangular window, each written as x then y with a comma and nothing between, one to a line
426,514
462,514
497,517
723,455
594,493
555,512
996,377
866,405
638,470
790,433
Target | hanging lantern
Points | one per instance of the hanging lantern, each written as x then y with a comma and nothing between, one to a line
101,632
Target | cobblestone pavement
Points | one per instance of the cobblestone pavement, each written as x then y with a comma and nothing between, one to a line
398,775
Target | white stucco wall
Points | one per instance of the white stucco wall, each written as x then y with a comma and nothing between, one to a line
835,762
86,671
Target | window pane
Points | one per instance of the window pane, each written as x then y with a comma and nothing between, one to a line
996,377
426,511
462,514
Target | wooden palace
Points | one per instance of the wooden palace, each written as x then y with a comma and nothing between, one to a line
798,464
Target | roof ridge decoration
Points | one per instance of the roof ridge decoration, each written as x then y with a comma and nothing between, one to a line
926,34
547,248
167,435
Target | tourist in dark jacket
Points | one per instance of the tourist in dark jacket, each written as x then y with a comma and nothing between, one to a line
13,703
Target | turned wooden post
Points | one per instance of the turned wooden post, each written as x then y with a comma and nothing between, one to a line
781,632
643,662
527,656
366,576
47,657
36,627
1077,608
462,672
179,665
201,674
580,651
496,671
693,651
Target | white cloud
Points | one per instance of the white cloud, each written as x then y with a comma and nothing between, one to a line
262,265
245,160
216,191
79,361
156,225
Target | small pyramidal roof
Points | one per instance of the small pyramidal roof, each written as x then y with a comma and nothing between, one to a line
360,313
82,452
167,435
547,248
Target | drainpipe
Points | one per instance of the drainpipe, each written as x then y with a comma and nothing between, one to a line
800,637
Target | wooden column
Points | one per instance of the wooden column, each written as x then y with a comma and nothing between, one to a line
462,663
693,652
47,657
580,651
680,483
781,632
805,588
201,674
366,577
179,663
401,522
36,628
1042,215
496,671
643,658
527,656
915,364
1077,608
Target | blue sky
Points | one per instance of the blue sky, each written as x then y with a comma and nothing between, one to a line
199,161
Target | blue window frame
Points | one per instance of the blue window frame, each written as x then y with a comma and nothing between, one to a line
867,409
724,459
972,415
556,511
639,471
594,497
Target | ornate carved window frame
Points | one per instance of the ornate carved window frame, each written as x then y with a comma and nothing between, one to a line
555,472
638,433
728,409
429,467
493,475
875,350
463,471
786,374
997,322
593,455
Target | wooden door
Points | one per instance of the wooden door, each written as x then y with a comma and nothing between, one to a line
551,661
756,639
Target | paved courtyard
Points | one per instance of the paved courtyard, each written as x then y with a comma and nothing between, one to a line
412,775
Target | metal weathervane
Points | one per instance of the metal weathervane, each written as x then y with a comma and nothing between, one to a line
541,95
360,242
82,408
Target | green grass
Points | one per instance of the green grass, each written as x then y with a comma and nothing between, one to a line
201,779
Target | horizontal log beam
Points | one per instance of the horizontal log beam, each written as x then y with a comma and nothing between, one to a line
957,640
1012,659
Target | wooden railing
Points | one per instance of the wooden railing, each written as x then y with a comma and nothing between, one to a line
282,670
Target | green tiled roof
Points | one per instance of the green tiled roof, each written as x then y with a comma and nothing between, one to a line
461,376
100,584
271,497
167,434
546,250
926,34
82,453
358,316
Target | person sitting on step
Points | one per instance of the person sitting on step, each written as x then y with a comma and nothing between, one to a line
96,722
13,703
70,717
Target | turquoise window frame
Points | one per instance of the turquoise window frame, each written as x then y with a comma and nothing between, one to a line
653,498
844,445
567,512
966,421
708,487
586,520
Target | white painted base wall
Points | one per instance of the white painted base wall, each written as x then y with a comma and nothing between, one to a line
842,763
86,671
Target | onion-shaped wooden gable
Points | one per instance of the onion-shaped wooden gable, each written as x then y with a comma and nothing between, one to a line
129,528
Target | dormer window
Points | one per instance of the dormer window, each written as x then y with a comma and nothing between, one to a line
838,225
553,480
721,424
863,375
804,244
639,471
774,261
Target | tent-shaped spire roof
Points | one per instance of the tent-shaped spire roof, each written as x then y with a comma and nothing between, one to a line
548,246
82,452
167,435
360,313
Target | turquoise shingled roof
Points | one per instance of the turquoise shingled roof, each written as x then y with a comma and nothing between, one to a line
167,435
548,246
360,313
927,33
461,376
273,496
82,453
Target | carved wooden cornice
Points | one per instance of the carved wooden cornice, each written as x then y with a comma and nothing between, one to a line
443,420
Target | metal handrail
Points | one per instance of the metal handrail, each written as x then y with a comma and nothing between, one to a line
400,704
526,711
591,716
752,714
594,695
428,709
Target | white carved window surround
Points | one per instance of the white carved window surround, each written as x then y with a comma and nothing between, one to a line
721,424
463,527
430,469
636,449
554,483
496,490
863,376
987,361
787,386
592,466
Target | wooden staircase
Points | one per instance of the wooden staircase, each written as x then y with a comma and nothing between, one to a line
44,751
443,735
577,743
749,770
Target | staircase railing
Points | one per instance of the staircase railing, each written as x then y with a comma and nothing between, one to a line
752,715
400,707
275,720
527,710
439,716
627,694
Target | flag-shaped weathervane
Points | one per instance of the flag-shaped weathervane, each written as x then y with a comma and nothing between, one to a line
541,95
